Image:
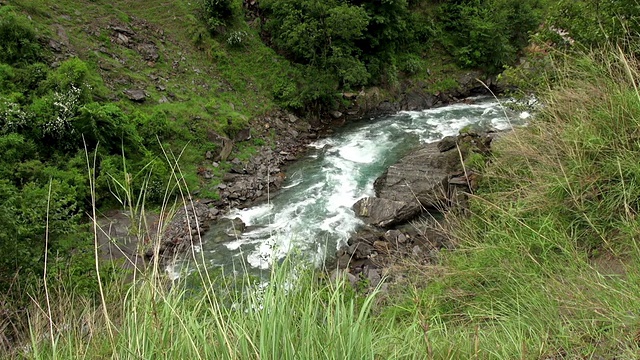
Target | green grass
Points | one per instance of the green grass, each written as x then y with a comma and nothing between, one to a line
294,317
547,266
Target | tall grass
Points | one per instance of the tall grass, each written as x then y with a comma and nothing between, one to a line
546,267
291,317
294,315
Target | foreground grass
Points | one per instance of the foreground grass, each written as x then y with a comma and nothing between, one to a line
547,267
294,317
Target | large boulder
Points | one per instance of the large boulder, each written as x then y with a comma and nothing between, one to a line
385,212
420,178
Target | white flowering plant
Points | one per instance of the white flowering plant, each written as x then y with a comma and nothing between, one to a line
12,116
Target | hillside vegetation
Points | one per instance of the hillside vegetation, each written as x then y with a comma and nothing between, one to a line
546,265
127,88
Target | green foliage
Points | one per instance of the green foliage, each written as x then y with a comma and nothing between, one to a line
593,23
320,34
107,126
18,40
217,13
488,33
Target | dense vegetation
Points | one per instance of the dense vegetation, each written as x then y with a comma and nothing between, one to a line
55,116
548,260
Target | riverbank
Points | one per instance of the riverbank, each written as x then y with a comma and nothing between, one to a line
255,180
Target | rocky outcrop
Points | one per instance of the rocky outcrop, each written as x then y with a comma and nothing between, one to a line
136,95
420,187
185,228
385,212
374,102
420,177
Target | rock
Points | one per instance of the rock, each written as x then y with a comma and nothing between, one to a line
149,52
360,250
227,147
186,226
382,246
385,212
55,45
62,35
335,114
208,155
419,178
367,234
122,30
121,39
234,227
386,107
163,100
395,237
447,143
340,275
372,276
136,95
419,100
243,135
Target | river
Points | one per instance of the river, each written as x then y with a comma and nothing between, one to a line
311,216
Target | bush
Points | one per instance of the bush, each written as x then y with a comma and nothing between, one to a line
18,40
321,34
488,34
592,23
217,13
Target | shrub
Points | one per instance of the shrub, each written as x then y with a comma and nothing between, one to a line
488,34
18,40
216,13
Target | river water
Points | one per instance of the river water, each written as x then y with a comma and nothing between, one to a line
311,216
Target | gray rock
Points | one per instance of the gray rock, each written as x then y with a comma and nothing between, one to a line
136,95
243,135
419,100
447,143
360,250
62,35
234,227
121,39
122,30
386,107
385,212
420,178
340,275
335,114
395,237
373,276
149,52
186,226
